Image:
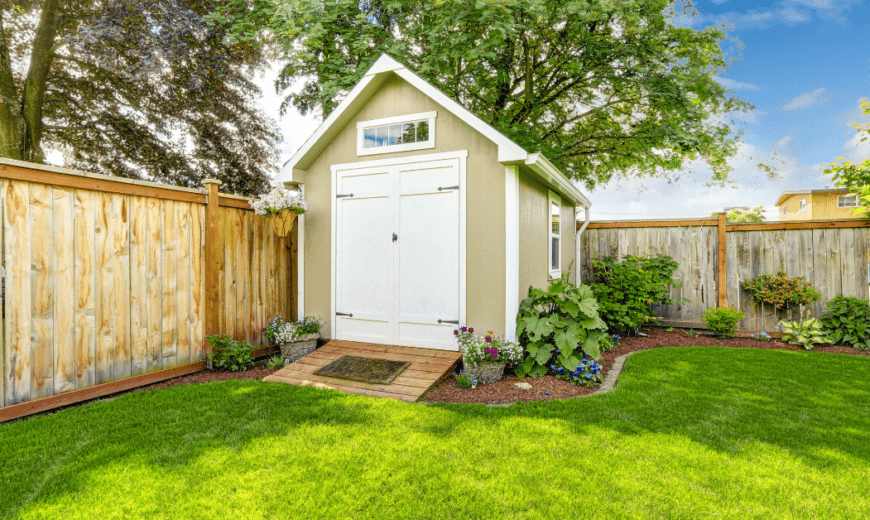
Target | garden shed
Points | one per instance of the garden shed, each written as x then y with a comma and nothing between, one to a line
422,217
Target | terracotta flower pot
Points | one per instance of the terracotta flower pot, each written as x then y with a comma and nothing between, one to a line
283,222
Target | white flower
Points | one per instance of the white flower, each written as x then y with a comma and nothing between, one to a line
279,199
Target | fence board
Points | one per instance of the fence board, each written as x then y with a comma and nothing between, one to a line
197,304
138,285
105,287
155,285
18,295
182,218
169,343
63,203
85,293
42,292
123,366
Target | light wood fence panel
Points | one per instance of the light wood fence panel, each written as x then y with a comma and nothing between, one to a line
834,258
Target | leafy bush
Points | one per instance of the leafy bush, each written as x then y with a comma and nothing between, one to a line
723,322
807,333
587,373
486,348
559,325
275,362
466,381
781,291
690,333
626,290
848,322
228,354
609,343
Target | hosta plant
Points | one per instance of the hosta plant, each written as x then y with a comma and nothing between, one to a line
807,333
559,325
780,291
723,321
847,322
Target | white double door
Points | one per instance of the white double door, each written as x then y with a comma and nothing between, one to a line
397,254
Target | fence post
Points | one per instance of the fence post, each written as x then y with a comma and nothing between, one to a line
213,247
723,274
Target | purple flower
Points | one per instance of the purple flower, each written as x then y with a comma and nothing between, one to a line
471,330
455,332
263,329
464,329
493,355
488,339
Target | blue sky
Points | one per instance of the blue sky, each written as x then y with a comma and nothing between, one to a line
804,65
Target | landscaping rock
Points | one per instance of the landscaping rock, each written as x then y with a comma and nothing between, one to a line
523,386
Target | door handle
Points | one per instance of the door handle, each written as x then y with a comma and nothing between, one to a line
455,322
395,237
350,315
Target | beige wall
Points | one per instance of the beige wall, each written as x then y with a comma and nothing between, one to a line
485,238
534,234
820,206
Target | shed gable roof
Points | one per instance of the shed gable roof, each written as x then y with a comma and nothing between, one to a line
509,152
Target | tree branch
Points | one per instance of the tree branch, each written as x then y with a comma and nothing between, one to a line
37,77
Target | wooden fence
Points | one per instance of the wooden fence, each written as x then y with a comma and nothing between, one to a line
716,257
112,283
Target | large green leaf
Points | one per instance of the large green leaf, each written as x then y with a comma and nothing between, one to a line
590,346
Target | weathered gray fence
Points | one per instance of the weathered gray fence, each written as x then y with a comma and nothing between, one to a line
833,255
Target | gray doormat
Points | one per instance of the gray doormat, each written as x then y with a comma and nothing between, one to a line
365,370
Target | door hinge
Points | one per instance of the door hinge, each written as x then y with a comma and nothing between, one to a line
349,315
454,322
395,237
445,188
345,195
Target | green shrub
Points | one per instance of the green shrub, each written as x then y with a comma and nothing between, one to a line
626,290
723,322
848,322
781,291
559,324
609,342
807,333
228,354
275,362
466,380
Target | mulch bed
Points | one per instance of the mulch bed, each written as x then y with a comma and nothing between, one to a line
550,387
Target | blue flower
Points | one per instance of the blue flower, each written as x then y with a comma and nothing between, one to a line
558,352
588,376
552,368
546,393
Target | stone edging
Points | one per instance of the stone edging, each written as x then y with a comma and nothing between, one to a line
613,374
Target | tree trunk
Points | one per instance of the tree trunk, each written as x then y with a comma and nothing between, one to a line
11,120
37,77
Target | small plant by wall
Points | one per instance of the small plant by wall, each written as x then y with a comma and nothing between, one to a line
723,322
847,322
780,291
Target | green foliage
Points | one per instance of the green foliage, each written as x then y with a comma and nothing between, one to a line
855,177
466,380
228,354
609,342
848,322
560,325
691,333
761,336
601,87
587,373
143,89
275,362
807,333
738,215
780,291
626,290
723,322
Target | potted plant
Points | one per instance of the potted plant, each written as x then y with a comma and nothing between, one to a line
281,206
485,357
296,339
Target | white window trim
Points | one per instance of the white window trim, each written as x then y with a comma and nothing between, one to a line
803,206
551,198
783,211
840,201
362,125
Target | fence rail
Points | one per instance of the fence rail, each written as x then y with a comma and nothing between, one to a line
106,279
716,257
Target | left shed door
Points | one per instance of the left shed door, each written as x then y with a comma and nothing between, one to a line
364,260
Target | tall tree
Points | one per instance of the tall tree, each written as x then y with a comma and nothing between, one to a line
602,87
853,176
136,88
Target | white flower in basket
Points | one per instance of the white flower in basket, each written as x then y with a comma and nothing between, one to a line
281,206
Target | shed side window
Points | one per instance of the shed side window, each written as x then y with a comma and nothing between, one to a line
555,232
847,201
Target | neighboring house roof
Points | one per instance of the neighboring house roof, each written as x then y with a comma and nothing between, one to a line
509,152
786,194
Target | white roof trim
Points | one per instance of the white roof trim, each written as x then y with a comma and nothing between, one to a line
547,171
509,152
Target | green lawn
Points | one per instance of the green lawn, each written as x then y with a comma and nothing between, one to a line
701,432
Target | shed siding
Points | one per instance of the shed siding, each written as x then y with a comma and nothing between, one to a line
485,238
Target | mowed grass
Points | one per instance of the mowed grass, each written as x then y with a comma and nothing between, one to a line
701,432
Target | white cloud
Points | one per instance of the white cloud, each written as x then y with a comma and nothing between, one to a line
789,12
855,150
818,96
735,85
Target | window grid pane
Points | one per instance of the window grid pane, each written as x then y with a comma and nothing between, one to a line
554,260
392,135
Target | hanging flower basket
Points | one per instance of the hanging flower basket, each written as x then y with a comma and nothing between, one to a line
283,222
281,206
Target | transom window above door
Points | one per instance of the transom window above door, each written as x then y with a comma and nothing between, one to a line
396,134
